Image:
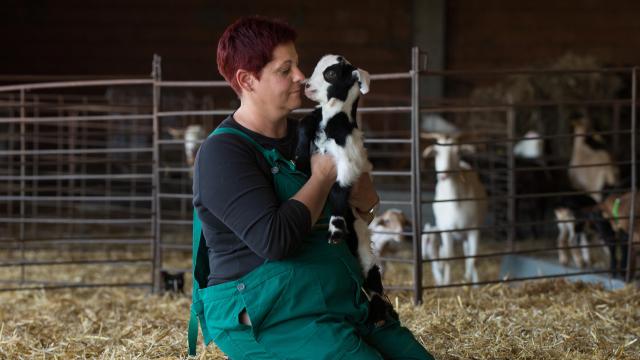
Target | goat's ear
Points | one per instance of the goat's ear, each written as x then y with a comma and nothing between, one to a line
176,133
363,80
429,151
468,149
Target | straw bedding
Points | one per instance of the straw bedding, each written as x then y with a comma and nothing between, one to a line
543,320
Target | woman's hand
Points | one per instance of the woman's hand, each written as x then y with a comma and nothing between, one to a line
323,166
314,193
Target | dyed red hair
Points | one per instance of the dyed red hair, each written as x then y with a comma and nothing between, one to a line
248,44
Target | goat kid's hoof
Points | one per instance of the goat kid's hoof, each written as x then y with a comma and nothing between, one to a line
379,323
335,237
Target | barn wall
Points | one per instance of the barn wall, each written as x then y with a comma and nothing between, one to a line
120,37
494,34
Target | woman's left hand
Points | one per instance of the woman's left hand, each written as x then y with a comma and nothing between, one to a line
363,194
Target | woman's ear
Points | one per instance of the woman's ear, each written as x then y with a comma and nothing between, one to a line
245,79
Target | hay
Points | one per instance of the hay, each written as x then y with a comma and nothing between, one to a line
546,319
543,320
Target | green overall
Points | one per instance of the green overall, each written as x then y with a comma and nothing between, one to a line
308,306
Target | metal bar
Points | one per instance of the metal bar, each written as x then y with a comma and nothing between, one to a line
519,252
75,151
175,169
500,107
391,173
78,177
22,182
76,198
631,259
68,84
179,142
72,221
76,118
194,113
392,76
71,262
515,139
511,185
525,196
64,285
191,83
175,196
156,264
524,71
415,174
387,141
177,247
84,242
175,222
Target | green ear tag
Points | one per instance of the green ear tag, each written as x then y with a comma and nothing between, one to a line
616,210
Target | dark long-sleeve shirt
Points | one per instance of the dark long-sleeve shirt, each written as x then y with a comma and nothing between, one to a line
243,221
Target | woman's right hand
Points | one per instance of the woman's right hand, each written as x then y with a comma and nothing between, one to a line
314,193
324,166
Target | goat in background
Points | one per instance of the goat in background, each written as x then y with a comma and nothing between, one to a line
454,214
590,150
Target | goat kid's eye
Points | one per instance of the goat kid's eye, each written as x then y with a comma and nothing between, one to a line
330,75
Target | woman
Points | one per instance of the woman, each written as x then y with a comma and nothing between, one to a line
267,283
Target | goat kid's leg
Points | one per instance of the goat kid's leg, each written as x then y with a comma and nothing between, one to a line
562,242
470,248
573,241
380,310
338,221
585,250
306,133
446,251
622,240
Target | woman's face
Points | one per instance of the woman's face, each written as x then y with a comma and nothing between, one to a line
278,90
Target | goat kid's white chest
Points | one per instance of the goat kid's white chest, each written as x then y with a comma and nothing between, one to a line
351,159
451,214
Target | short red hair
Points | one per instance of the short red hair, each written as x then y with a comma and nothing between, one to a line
248,44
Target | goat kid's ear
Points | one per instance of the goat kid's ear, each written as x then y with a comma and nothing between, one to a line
363,80
429,151
176,133
468,148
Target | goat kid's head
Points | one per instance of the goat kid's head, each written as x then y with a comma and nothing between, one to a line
447,153
335,78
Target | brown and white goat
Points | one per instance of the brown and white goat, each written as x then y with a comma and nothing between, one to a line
588,151
454,216
386,231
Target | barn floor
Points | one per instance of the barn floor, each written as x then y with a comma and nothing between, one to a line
541,320
548,319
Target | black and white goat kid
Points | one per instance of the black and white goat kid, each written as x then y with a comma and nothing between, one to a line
331,128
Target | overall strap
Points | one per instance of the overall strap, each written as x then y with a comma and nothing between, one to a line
272,156
230,130
201,271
